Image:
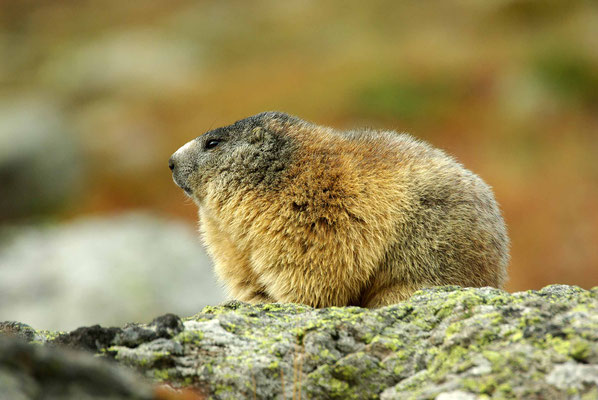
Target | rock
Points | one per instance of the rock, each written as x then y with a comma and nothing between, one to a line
130,62
40,164
444,343
30,371
574,377
109,270
455,395
21,331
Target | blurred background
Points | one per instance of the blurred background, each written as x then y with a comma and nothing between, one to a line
95,97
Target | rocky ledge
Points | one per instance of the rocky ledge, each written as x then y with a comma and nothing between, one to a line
444,343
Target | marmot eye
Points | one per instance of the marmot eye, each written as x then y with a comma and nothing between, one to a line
210,144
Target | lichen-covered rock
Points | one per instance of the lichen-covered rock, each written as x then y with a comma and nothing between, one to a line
445,343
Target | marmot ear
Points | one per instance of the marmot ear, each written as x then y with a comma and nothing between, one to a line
258,134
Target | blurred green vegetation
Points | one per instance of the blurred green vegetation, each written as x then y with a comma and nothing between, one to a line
409,99
572,77
509,87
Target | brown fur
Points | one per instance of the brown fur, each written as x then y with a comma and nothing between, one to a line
295,212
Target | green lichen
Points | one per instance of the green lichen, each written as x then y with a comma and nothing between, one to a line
480,385
345,372
162,375
591,395
49,335
580,350
484,341
453,329
143,363
221,389
190,336
398,370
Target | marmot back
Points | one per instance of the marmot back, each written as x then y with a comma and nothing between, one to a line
295,212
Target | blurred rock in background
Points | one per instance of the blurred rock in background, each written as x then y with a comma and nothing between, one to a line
40,166
108,270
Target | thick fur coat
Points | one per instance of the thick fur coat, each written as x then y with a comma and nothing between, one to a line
295,212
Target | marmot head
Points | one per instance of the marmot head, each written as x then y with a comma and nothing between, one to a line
253,152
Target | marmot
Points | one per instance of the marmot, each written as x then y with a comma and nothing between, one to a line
295,212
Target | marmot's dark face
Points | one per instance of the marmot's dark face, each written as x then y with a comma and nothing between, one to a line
253,152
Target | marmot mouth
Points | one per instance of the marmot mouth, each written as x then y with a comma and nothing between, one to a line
184,187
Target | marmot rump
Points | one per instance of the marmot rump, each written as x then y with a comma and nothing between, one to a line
295,212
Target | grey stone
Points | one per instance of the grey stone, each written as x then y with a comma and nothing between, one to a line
140,61
30,372
456,395
444,342
40,164
573,376
108,270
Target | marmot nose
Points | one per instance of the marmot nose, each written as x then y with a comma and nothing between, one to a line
171,164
